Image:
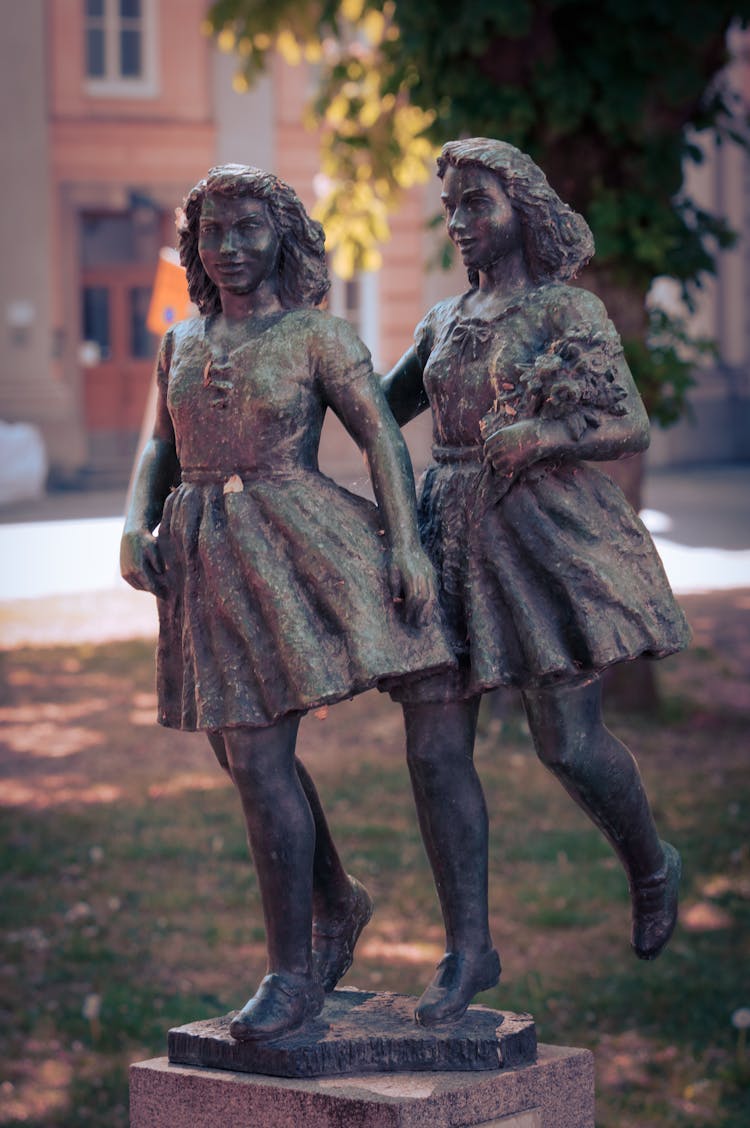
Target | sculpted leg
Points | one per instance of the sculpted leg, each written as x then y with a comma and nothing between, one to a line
341,905
216,740
453,820
281,833
599,772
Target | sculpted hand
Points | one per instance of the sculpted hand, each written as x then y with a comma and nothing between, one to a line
512,448
141,562
412,581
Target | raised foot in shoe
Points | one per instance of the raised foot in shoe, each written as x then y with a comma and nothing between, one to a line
335,935
654,903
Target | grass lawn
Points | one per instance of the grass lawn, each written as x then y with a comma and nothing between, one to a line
129,904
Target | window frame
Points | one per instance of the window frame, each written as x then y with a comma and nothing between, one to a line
113,83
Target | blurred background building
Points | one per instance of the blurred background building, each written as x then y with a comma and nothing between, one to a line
111,110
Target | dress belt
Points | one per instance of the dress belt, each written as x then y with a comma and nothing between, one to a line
205,475
201,474
458,453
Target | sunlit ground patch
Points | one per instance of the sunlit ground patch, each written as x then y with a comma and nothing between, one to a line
40,792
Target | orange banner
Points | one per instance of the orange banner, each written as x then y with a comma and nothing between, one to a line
170,301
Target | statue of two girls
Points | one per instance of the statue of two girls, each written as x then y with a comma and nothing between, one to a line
521,565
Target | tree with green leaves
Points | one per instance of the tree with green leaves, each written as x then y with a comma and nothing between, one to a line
611,97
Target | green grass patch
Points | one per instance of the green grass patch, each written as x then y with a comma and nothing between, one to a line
128,895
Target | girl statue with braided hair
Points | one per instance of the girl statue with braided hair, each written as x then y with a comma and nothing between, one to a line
278,591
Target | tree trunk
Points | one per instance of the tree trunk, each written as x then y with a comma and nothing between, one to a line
626,305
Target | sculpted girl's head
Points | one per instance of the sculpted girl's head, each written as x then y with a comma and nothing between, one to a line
302,271
557,241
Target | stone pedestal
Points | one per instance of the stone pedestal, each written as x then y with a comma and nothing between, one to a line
556,1091
364,1063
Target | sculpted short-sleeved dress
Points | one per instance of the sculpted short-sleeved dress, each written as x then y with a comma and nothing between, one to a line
555,577
277,577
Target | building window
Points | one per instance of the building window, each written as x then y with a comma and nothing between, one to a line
356,300
120,47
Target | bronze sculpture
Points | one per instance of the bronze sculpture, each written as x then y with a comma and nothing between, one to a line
546,576
277,590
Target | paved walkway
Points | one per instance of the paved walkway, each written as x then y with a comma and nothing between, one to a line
64,547
700,520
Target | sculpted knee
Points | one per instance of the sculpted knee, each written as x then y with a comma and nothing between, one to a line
424,760
561,751
251,770
245,779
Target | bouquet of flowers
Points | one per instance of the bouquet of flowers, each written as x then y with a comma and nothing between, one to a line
573,380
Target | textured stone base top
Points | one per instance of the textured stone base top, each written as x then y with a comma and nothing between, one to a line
359,1032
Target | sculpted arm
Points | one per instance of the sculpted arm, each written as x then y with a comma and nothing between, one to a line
361,406
404,389
141,563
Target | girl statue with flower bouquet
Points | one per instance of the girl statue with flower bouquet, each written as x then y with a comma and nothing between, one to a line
546,575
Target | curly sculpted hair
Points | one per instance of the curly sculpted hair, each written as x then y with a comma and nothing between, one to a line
557,241
303,275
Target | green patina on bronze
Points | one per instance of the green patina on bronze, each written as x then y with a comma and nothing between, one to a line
546,575
278,590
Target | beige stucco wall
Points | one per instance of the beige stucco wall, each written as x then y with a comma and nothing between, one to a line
244,122
31,389
718,426
102,148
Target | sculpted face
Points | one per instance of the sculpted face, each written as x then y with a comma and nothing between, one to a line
480,217
237,243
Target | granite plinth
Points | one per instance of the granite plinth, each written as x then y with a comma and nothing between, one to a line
360,1032
555,1091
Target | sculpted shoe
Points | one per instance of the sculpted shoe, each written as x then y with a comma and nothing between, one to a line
334,937
655,906
459,977
280,1005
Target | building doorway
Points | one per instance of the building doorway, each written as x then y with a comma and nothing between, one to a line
119,254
